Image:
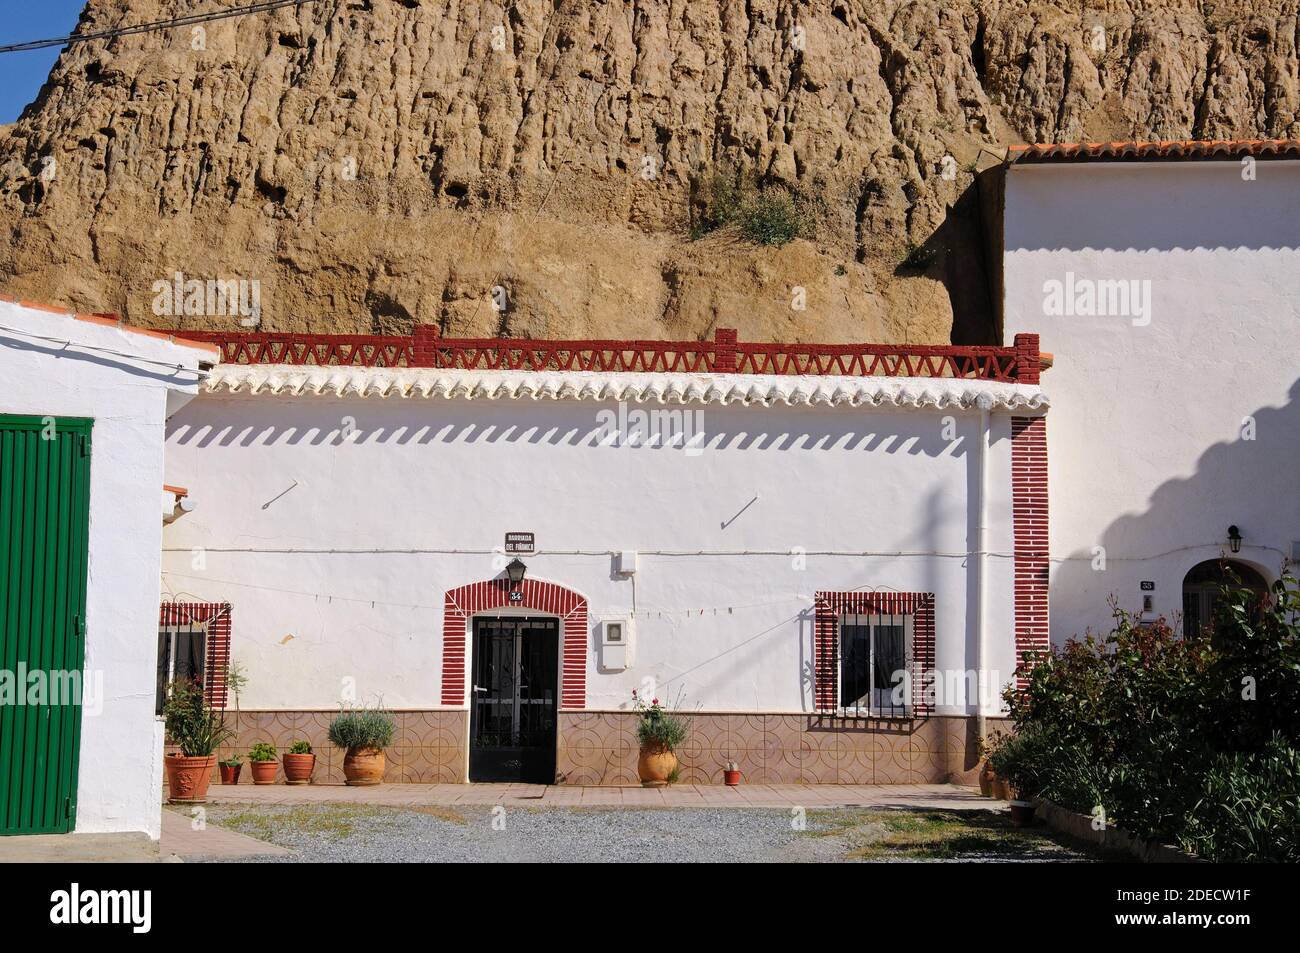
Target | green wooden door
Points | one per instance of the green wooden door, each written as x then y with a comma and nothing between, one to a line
44,517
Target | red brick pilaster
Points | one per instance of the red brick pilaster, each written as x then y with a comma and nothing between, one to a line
1029,522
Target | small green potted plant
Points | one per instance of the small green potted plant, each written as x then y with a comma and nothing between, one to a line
262,761
194,727
364,733
230,769
299,763
658,732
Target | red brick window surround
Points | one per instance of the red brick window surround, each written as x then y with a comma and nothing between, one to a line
214,617
830,606
1030,525
543,597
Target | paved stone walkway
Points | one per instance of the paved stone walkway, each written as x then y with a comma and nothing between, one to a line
940,796
180,840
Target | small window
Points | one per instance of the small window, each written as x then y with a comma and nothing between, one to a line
182,649
875,664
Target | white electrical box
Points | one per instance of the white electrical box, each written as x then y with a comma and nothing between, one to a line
626,562
615,644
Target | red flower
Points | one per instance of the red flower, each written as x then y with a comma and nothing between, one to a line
654,701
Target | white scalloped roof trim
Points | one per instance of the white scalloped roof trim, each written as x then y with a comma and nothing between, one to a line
763,390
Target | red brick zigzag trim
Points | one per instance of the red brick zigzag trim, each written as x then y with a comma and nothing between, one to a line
1029,522
460,604
217,617
826,665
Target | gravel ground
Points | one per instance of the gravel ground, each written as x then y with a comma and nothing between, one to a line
349,833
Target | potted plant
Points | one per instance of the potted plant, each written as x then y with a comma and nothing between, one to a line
1012,759
198,731
364,733
230,769
658,732
261,761
299,763
731,774
991,784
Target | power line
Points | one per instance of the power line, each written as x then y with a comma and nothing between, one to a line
190,20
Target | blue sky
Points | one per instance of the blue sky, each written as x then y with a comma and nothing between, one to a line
21,74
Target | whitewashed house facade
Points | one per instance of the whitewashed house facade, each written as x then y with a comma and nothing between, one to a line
83,404
761,523
1165,278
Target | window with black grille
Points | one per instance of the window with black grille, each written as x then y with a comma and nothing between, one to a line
875,664
182,649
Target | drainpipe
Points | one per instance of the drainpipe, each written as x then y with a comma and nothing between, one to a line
981,562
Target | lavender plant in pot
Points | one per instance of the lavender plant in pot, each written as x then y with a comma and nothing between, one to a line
365,733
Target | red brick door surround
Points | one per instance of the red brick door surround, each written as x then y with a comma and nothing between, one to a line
544,597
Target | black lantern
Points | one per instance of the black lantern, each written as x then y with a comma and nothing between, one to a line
515,571
1234,538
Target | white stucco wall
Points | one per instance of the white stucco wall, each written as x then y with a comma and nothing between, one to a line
383,524
120,766
1145,440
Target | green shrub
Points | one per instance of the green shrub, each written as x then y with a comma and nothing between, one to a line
363,728
763,214
1191,741
1249,809
262,752
659,727
190,723
300,747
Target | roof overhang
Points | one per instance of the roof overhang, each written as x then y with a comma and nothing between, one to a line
760,390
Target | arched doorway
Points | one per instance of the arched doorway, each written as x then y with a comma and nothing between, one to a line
1201,588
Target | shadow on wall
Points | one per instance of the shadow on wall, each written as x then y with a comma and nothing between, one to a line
956,255
326,422
1247,482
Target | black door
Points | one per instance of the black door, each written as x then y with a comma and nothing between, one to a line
515,689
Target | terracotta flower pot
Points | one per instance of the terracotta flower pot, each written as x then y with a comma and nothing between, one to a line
187,778
298,768
1022,813
364,766
987,780
230,773
731,778
655,766
263,771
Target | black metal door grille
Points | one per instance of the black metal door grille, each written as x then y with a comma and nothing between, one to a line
515,691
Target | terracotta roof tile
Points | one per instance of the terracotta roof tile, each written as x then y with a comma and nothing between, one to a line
113,321
1164,150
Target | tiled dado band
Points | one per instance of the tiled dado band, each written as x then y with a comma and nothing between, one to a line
600,747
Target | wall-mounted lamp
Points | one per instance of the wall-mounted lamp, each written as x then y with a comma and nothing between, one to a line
515,571
1234,538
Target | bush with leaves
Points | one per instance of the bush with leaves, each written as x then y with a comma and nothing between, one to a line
765,214
262,752
1185,740
190,722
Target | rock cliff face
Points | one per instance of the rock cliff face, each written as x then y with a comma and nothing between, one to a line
374,163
